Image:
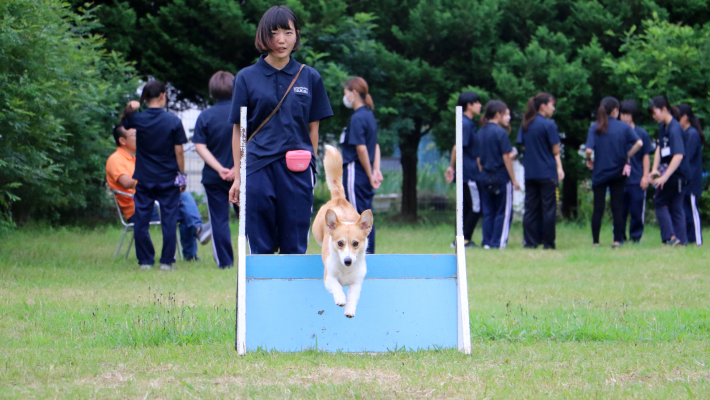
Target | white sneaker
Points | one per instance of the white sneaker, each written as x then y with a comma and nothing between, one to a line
205,234
146,266
166,267
486,247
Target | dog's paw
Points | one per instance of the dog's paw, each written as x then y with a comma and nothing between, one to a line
350,314
339,301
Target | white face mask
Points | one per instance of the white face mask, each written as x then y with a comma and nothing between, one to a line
346,102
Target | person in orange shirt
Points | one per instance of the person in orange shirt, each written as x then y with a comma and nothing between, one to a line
119,175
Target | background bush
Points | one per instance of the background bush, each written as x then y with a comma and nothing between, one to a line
59,96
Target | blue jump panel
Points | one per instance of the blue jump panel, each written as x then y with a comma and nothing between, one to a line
406,300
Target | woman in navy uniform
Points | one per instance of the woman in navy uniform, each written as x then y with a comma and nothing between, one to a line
694,149
279,200
159,160
539,136
613,143
361,153
671,169
495,161
213,142
471,104
639,178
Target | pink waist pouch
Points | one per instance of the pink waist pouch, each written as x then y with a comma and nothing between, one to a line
298,160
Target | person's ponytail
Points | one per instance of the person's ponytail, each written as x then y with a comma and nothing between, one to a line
607,105
675,112
368,102
684,109
530,113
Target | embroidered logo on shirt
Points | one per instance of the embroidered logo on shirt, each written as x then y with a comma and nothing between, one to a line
301,90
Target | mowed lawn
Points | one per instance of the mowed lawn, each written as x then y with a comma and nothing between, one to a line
579,322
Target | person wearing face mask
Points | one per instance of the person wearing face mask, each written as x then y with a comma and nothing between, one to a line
470,102
285,101
361,153
613,143
540,138
495,162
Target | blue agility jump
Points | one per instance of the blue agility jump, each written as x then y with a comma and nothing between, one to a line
407,301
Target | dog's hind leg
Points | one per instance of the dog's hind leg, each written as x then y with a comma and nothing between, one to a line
336,289
353,297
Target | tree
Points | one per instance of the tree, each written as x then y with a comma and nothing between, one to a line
59,92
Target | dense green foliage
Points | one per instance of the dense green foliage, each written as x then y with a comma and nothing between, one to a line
59,93
418,54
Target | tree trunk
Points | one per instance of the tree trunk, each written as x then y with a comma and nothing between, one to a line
409,146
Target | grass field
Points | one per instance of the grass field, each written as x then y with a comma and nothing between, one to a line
579,322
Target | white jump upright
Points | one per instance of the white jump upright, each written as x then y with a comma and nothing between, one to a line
408,301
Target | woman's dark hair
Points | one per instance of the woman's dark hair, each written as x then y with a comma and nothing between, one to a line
467,98
151,90
660,102
629,107
221,85
359,86
684,109
607,105
493,107
274,18
533,107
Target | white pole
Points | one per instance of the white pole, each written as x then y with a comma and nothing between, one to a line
241,241
464,329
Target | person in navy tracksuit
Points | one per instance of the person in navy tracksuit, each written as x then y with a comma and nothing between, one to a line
495,161
159,158
361,153
639,178
671,169
213,142
539,136
279,201
694,149
471,104
613,143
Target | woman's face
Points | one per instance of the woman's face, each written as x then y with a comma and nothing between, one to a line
505,118
548,109
658,114
283,41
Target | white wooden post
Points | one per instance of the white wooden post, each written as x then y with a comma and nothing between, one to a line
464,329
242,241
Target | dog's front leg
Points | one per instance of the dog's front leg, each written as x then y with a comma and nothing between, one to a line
336,289
353,297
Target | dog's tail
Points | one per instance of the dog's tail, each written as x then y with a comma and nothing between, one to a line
333,164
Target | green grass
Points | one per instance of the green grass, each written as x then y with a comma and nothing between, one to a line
579,322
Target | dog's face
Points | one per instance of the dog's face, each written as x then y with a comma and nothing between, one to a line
349,239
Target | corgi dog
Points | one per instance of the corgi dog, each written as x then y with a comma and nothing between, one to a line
342,233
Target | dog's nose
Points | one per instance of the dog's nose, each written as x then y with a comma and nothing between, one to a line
348,261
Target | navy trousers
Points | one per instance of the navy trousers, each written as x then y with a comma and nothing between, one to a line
540,213
359,193
168,195
692,219
279,206
634,204
497,216
669,210
218,204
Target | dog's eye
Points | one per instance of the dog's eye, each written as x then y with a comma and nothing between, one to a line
341,243
355,244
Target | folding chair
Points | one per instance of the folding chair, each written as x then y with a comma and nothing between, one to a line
129,226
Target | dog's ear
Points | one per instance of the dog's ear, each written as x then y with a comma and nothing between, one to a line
365,221
331,220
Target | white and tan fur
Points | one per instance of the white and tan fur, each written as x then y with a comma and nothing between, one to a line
343,234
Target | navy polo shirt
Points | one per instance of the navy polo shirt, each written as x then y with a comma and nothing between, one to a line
637,159
214,130
610,149
542,134
362,129
671,142
493,142
157,134
468,149
694,149
260,87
